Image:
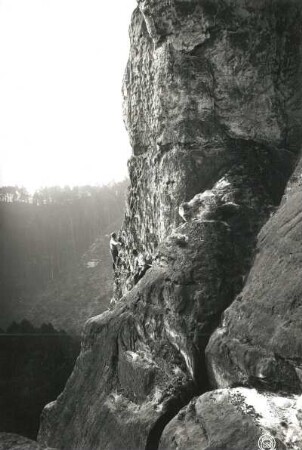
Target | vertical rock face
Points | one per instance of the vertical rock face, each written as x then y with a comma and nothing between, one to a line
211,92
259,342
212,102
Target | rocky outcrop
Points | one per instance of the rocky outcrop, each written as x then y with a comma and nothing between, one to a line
211,90
9,441
259,341
142,361
212,102
233,419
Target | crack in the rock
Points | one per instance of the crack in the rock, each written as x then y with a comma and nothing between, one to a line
156,432
176,404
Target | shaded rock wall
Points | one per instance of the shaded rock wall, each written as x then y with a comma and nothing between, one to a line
212,106
259,342
9,441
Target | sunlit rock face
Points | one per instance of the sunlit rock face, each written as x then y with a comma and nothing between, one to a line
211,90
212,102
233,419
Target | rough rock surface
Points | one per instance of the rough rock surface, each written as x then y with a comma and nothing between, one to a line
212,101
142,361
211,89
9,441
259,342
235,419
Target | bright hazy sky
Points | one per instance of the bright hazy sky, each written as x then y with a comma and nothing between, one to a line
61,69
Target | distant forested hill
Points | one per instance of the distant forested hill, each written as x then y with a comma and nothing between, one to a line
54,258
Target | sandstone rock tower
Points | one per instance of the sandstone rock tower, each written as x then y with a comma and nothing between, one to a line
212,103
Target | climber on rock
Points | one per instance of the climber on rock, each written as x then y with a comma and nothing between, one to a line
114,249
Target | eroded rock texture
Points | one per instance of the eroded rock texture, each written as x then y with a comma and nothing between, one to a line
212,101
211,90
236,419
260,341
9,441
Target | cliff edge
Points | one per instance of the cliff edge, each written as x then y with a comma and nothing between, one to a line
212,104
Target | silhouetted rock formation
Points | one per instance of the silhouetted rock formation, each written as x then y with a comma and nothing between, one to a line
35,364
9,441
212,101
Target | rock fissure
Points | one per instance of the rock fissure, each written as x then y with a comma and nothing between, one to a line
155,434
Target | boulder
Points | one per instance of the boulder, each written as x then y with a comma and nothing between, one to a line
236,419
